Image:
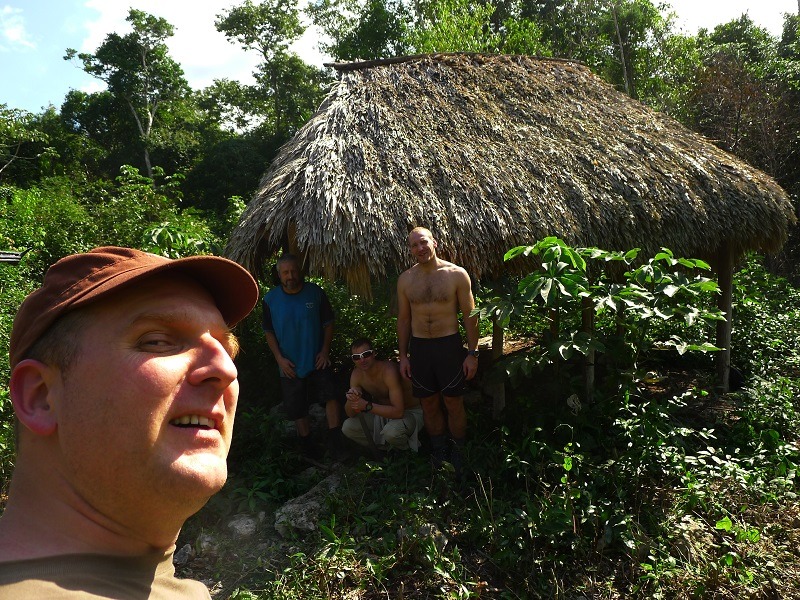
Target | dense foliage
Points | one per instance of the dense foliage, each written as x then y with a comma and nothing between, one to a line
658,487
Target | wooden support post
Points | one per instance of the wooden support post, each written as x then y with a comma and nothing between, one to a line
497,390
587,325
724,270
555,326
497,339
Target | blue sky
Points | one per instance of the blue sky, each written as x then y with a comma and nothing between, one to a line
34,35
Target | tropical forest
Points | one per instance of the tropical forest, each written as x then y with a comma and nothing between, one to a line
634,427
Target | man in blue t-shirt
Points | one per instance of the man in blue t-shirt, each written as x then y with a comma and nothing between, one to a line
298,324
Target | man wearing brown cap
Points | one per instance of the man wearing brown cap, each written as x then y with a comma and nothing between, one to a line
125,390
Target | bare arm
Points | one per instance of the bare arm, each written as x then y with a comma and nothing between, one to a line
391,378
466,303
323,358
354,404
286,366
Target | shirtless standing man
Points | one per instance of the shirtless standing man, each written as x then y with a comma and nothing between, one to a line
430,295
392,414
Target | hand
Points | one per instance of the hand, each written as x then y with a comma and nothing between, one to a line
470,366
322,360
353,396
287,367
405,367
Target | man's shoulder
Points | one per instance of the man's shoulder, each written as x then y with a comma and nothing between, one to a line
456,274
312,289
273,293
405,275
276,294
449,267
356,376
390,369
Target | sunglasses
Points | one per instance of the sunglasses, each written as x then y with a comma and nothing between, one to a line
364,354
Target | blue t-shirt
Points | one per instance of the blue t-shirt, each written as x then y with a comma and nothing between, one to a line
298,320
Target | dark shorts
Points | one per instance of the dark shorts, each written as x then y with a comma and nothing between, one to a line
298,394
437,365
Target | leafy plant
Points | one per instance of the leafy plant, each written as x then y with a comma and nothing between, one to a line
624,302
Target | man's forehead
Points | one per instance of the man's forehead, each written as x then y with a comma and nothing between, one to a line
418,236
171,298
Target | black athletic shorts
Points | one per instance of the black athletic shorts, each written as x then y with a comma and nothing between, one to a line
437,365
298,394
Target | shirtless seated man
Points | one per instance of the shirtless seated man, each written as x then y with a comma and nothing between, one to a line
393,417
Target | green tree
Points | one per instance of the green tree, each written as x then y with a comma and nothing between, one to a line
139,72
362,31
634,27
287,90
571,28
743,96
20,139
746,98
372,29
100,122
455,26
627,42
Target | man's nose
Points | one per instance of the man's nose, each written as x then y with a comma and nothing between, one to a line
213,364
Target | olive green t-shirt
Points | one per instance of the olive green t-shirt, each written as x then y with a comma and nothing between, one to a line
89,576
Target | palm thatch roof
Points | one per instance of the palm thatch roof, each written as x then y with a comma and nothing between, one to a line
490,152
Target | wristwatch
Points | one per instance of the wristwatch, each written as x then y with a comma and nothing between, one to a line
368,407
474,353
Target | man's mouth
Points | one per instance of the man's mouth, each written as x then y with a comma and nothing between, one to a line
194,421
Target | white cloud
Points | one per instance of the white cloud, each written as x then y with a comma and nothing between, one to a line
202,51
708,14
13,34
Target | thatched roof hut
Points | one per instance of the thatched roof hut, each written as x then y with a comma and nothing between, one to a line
491,152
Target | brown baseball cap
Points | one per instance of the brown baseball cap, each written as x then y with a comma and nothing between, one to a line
80,279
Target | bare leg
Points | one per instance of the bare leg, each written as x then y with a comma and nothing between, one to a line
456,416
457,422
333,413
333,437
433,415
303,427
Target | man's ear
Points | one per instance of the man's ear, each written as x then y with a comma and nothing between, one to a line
31,384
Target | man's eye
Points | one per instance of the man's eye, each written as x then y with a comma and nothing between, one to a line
156,344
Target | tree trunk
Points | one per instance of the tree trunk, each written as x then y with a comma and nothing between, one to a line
623,62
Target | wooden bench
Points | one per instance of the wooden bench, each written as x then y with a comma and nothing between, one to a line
12,258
